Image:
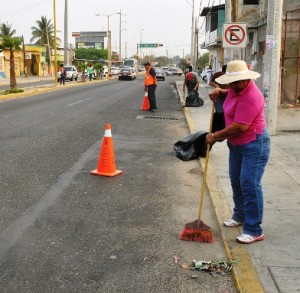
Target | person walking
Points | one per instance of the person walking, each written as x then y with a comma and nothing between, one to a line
62,75
150,82
191,81
249,147
209,73
219,120
90,71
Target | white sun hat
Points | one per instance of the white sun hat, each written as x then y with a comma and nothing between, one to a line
237,70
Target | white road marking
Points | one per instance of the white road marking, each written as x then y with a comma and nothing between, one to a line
78,102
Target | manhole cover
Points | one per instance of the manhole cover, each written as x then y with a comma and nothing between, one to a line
146,117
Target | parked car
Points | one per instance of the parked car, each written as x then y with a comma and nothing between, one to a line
174,71
114,70
71,73
141,68
127,73
160,74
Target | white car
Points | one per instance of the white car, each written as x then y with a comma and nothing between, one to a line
114,70
127,73
71,73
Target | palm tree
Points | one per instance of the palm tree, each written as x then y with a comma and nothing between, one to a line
43,34
6,30
11,44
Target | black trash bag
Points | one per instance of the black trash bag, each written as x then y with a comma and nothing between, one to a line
191,147
193,100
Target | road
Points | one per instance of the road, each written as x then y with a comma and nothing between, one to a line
64,230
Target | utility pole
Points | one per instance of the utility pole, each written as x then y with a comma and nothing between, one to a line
228,19
24,57
193,33
55,43
271,68
66,59
120,35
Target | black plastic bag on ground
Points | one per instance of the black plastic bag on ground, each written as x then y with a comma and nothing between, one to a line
191,147
193,100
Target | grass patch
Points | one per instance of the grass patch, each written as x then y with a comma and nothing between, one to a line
12,91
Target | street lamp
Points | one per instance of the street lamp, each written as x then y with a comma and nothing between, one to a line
120,34
55,45
108,41
140,45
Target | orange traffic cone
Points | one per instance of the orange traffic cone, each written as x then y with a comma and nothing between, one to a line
106,162
146,104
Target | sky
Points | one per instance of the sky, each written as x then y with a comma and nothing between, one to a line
166,22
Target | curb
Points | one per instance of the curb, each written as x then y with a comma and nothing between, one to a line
244,272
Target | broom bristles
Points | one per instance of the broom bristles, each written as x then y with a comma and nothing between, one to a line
197,231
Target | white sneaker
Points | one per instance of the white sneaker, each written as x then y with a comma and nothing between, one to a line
247,239
232,223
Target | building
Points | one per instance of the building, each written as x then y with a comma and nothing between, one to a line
253,13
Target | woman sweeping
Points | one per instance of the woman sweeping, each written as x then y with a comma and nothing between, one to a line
249,147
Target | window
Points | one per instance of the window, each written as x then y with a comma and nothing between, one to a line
251,2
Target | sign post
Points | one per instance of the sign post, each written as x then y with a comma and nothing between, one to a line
235,35
150,45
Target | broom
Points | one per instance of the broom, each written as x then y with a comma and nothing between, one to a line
197,231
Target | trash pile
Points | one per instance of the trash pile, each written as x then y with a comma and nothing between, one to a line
220,267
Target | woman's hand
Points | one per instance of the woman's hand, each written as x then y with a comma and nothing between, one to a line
213,95
210,138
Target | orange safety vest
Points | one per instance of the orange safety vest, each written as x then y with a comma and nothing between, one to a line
149,79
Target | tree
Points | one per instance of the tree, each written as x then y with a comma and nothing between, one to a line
203,60
11,44
43,34
90,54
82,67
6,30
98,67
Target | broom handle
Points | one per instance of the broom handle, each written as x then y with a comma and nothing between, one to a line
206,165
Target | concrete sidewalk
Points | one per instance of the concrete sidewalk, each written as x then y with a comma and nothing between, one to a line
272,265
22,80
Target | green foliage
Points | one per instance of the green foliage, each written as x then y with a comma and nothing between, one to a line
98,67
81,66
12,91
203,60
91,54
163,61
6,30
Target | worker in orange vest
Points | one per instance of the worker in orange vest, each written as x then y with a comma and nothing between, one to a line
150,82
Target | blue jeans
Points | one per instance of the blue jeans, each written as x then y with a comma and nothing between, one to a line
246,167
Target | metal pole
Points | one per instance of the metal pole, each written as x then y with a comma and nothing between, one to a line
108,47
120,36
55,44
66,59
192,33
271,74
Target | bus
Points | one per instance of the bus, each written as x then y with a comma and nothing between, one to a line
131,62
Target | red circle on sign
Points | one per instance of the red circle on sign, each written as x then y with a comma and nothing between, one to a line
239,39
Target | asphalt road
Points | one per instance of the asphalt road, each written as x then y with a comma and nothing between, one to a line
64,230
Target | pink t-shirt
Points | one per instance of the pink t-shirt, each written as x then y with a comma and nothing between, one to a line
246,107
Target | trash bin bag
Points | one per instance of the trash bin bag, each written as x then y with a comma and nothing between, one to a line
193,100
191,147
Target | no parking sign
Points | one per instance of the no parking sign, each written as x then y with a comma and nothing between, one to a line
234,35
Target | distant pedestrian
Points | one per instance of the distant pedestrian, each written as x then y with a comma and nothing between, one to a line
191,80
209,72
249,147
62,74
90,71
150,82
219,120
